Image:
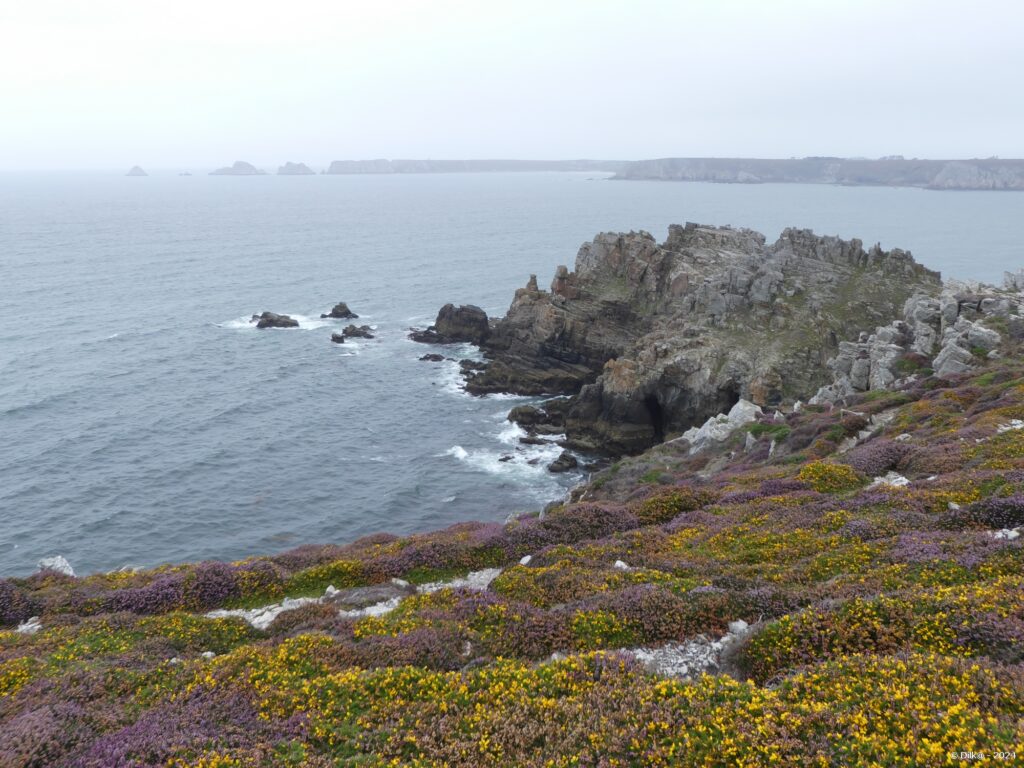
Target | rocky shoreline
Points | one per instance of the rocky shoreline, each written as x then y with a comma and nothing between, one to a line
765,584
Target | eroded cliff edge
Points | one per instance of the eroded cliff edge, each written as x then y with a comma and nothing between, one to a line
651,338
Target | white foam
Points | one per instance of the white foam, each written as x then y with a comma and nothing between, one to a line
458,452
511,433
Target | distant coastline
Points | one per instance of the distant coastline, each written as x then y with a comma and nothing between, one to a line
895,171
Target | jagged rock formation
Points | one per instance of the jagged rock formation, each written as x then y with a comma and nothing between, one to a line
295,169
136,171
466,323
947,335
357,332
656,338
990,173
239,168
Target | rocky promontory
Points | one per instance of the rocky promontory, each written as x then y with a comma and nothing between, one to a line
654,338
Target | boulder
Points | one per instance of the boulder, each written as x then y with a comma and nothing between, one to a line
274,320
719,428
564,463
433,358
340,311
338,338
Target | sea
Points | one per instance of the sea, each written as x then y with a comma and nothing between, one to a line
145,420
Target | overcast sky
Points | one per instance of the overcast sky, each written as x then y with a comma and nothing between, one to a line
200,83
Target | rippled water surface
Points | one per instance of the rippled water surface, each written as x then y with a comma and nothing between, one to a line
143,420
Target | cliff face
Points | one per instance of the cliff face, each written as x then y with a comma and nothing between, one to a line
896,171
655,338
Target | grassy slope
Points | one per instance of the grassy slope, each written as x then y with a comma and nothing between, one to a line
889,623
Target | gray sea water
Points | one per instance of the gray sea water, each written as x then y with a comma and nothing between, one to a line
143,420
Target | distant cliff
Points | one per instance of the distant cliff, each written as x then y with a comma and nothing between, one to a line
469,166
894,171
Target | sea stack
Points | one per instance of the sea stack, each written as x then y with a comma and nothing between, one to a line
295,169
136,171
240,168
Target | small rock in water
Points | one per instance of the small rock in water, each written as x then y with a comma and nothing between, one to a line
565,462
274,320
340,312
432,358
358,332
338,338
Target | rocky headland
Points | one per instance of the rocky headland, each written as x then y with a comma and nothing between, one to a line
977,174
652,338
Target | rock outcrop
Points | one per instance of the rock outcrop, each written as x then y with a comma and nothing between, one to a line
653,339
136,171
944,335
239,168
274,320
466,323
340,311
295,169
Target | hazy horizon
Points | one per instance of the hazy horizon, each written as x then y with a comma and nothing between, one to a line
199,85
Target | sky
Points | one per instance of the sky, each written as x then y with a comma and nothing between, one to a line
200,83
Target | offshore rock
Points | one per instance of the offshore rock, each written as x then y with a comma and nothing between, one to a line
357,332
136,171
274,320
466,323
239,168
564,463
295,169
340,311
656,338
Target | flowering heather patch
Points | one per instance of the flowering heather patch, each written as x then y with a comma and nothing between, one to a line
887,623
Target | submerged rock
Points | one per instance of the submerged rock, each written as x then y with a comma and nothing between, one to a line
274,320
340,311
